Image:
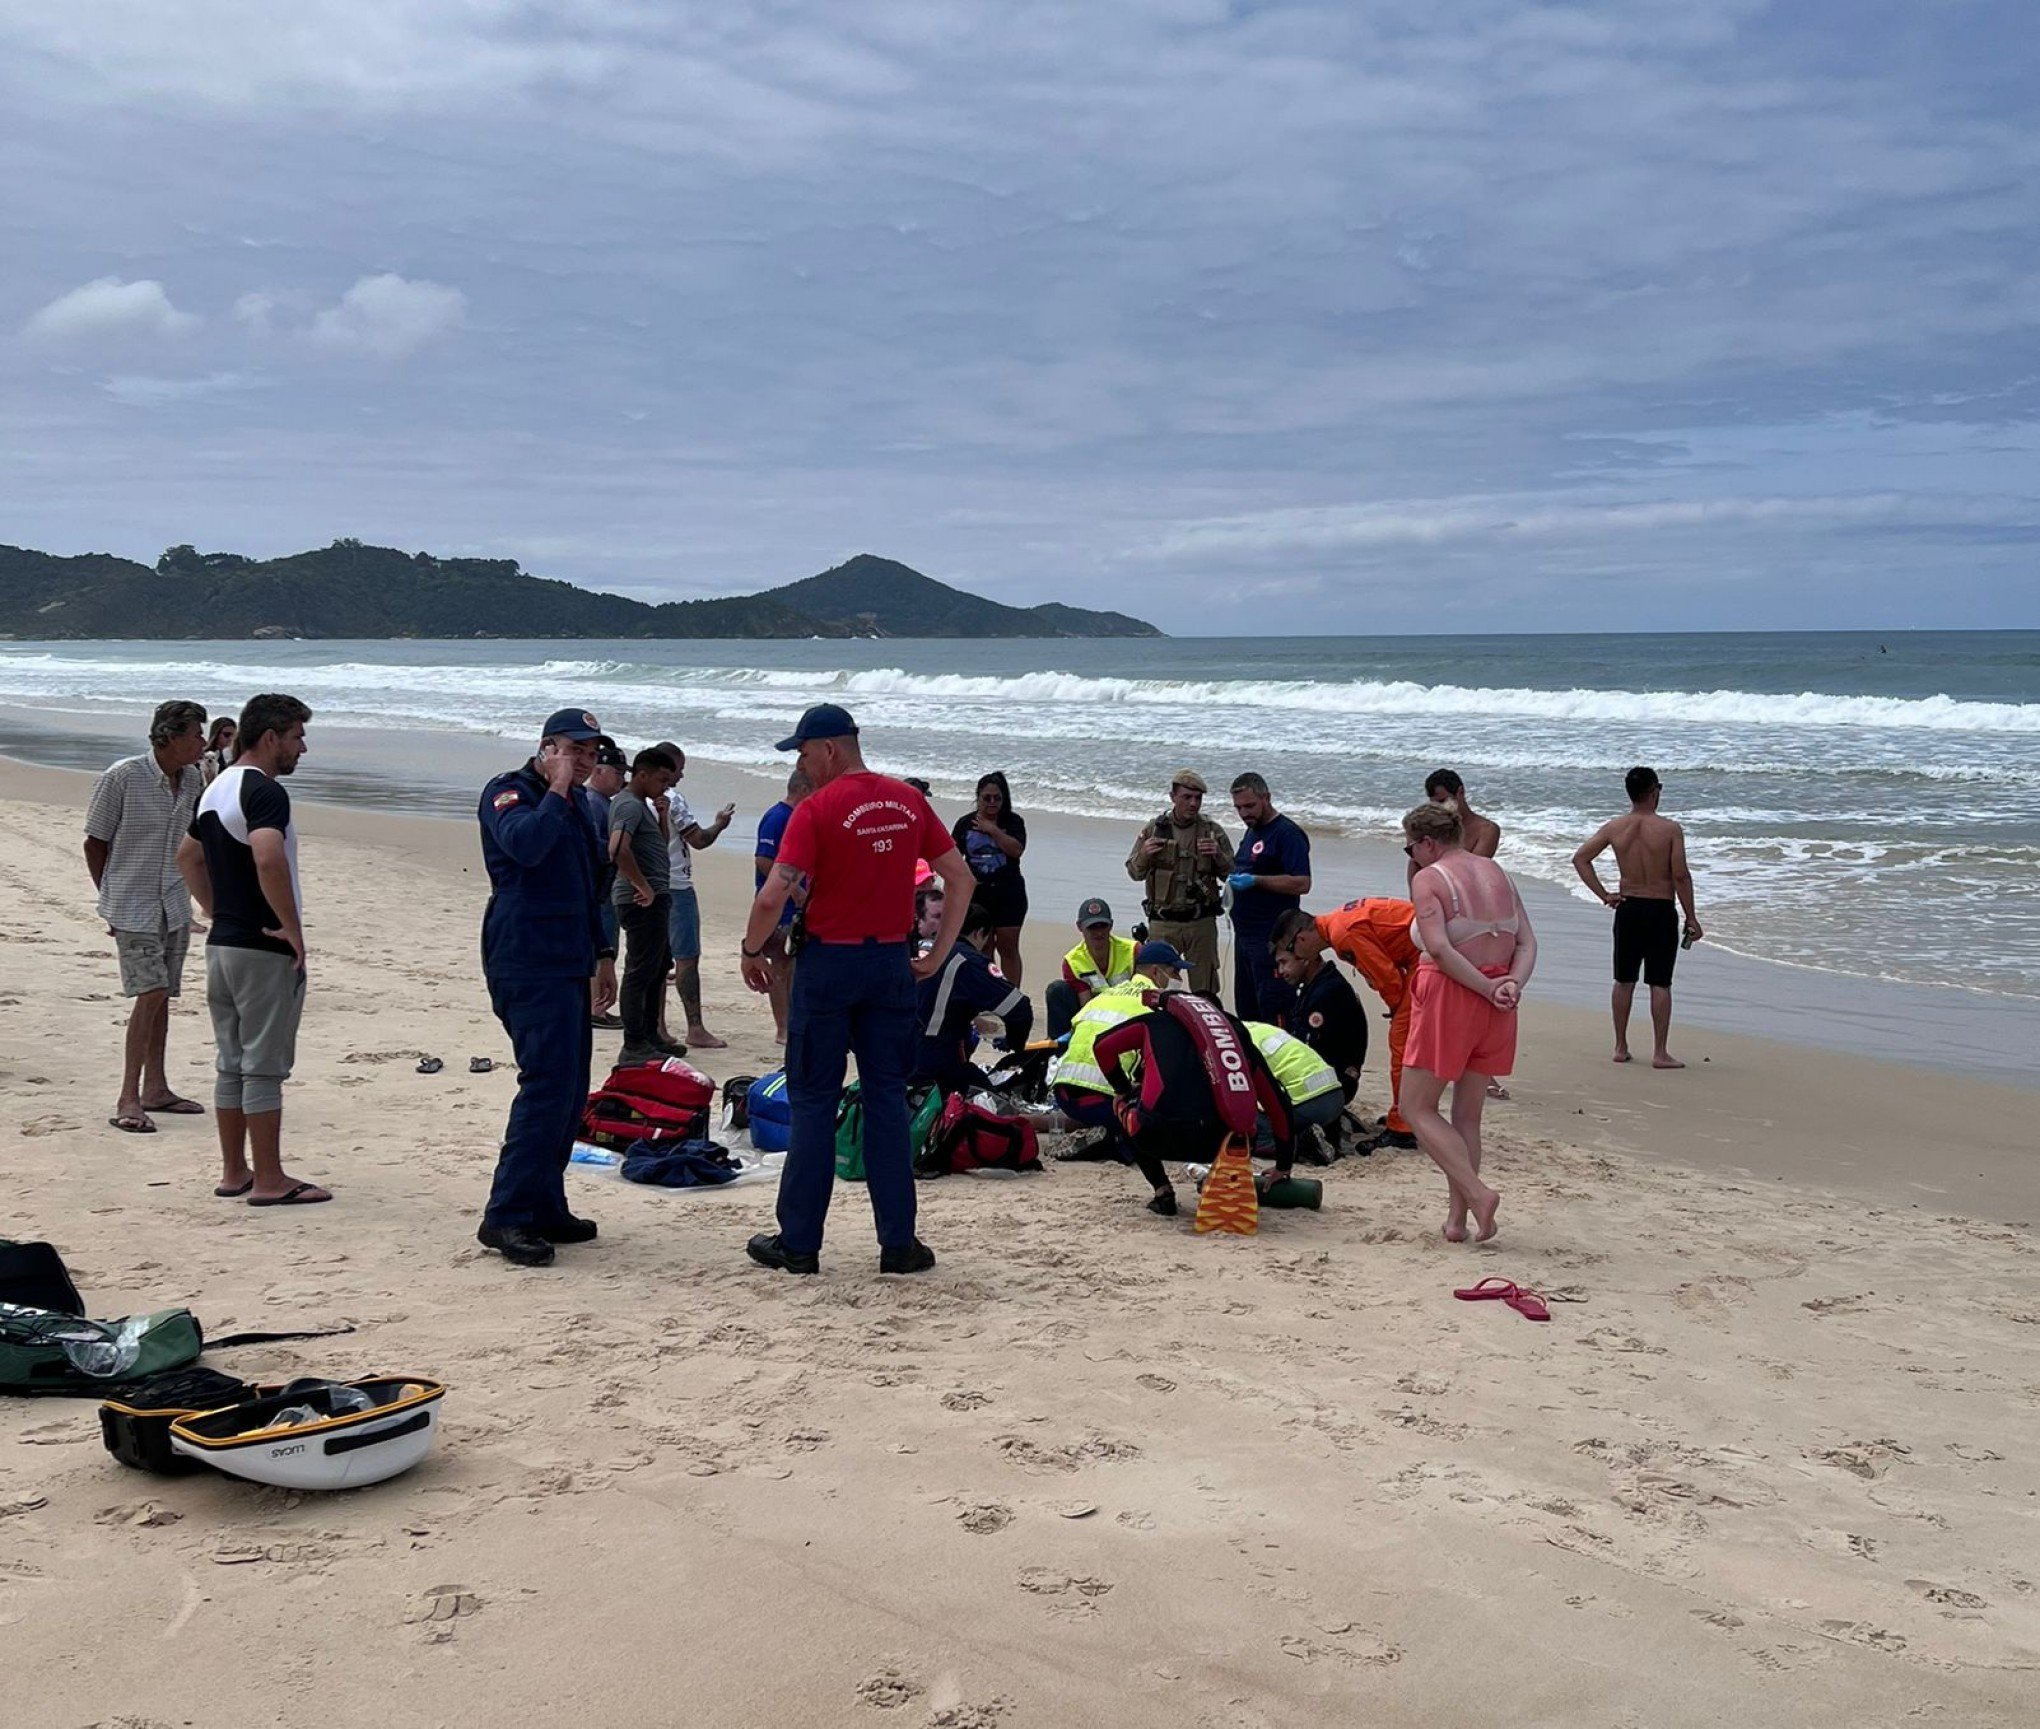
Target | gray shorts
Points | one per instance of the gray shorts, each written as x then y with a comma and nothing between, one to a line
256,999
152,960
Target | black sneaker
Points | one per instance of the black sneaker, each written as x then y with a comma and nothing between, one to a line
768,1251
1401,1139
668,1048
631,1055
1165,1204
520,1247
916,1257
569,1230
1309,1149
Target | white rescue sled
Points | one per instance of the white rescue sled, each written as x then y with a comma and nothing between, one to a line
321,1447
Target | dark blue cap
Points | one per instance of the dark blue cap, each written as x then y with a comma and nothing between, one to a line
574,723
824,720
1159,954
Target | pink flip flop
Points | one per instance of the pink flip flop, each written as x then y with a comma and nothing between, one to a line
1501,1288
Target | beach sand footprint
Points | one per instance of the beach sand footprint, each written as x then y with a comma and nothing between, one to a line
438,1607
888,1689
1074,1595
985,1518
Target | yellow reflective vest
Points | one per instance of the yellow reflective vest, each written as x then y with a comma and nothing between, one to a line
1301,1073
1085,970
1077,1066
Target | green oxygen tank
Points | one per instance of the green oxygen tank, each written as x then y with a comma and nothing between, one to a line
1305,1192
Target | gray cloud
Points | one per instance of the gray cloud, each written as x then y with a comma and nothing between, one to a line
1130,304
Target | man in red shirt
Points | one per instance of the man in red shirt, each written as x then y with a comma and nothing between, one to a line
855,838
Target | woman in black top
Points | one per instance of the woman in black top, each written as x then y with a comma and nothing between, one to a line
992,838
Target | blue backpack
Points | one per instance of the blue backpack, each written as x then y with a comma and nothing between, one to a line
770,1112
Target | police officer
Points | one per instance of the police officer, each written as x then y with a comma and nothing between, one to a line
855,838
540,936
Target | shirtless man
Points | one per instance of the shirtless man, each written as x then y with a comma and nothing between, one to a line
1650,851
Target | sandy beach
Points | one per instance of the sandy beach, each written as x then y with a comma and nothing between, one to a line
1774,1464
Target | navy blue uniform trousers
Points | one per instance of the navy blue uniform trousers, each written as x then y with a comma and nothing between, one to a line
848,997
1259,992
547,1020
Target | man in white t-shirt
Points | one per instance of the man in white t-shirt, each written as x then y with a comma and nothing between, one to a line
686,915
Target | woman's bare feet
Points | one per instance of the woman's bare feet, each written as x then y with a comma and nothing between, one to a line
1621,1054
1665,1060
1484,1207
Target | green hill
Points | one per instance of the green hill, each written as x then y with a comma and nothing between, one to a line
879,597
352,590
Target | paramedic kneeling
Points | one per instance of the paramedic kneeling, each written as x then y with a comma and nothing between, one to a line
855,839
949,1002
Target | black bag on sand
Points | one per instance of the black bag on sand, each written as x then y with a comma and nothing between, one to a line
33,1276
135,1422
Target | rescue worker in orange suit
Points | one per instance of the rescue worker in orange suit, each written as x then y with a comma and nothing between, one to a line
1373,937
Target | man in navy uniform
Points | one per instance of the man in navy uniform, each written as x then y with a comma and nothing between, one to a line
540,937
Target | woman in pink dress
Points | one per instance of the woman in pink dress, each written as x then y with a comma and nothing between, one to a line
1479,952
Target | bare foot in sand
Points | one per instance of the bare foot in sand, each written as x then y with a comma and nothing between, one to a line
702,1039
1455,1228
1665,1060
1621,1053
1484,1215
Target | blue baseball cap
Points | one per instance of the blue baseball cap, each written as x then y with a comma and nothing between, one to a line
1161,955
824,720
574,723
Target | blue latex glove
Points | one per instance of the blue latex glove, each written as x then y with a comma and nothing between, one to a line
1063,1043
1240,880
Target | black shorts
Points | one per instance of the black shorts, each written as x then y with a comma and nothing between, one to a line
1004,898
1646,941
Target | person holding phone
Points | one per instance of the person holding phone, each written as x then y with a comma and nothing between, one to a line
540,936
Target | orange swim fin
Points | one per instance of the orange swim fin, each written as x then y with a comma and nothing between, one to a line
1228,1202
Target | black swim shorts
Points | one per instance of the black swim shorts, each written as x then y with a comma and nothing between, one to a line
1646,941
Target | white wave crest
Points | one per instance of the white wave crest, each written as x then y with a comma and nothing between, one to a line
1405,699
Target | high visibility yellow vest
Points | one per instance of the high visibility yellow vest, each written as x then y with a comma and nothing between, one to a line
1301,1073
1078,1066
1085,970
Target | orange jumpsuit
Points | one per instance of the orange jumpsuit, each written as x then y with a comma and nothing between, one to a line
1373,937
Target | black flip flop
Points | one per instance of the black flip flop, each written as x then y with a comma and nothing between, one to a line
136,1123
430,1065
234,1194
480,1065
297,1195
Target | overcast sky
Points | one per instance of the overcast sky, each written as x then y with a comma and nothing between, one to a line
1262,317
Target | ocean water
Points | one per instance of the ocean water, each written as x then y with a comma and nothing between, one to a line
1859,804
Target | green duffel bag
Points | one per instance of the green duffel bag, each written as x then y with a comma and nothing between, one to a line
924,1105
45,1352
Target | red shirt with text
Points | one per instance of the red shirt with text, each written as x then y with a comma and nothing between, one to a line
856,841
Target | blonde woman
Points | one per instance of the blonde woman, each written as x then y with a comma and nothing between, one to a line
1479,952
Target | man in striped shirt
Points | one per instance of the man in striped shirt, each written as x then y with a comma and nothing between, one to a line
139,811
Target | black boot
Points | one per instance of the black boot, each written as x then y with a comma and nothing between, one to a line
517,1245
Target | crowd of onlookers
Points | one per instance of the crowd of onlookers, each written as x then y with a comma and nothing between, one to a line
203,817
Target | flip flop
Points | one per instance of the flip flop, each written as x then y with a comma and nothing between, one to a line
430,1065
297,1195
480,1065
136,1123
234,1194
1502,1288
178,1108
1528,1304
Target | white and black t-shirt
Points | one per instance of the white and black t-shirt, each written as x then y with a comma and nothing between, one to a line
241,801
